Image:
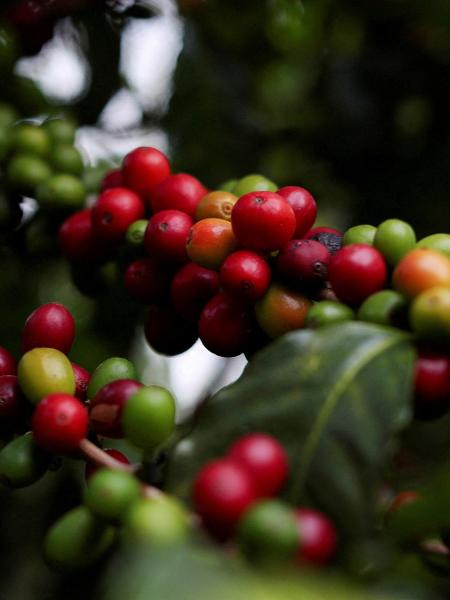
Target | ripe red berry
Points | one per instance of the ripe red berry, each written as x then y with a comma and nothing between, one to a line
263,221
107,406
91,467
168,333
222,492
112,179
265,460
245,274
356,272
225,325
8,365
147,281
432,385
192,287
166,236
303,205
178,192
59,423
49,326
303,263
317,537
143,168
82,378
78,240
328,236
115,210
13,404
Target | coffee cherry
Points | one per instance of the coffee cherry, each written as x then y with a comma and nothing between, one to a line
317,539
265,459
420,270
136,233
22,462
225,325
92,468
328,312
168,333
216,205
115,210
156,522
13,405
65,158
60,422
8,364
107,406
112,179
394,238
222,492
245,274
30,139
328,236
281,310
61,191
110,493
357,271
228,185
429,315
253,183
263,221
267,532
82,378
432,385
43,371
78,240
359,234
304,207
303,263
440,242
191,288
387,307
109,370
166,236
147,281
49,326
178,192
210,241
149,417
25,172
60,131
143,169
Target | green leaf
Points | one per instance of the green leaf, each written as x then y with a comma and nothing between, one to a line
334,397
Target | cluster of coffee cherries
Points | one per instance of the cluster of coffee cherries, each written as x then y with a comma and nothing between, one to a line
235,497
54,408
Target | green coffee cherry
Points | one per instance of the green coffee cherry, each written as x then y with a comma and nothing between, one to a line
109,370
149,417
22,462
429,315
438,241
384,308
77,540
60,131
253,183
359,234
65,158
28,138
8,114
26,171
268,532
62,190
328,312
159,522
136,232
110,492
229,185
394,238
43,371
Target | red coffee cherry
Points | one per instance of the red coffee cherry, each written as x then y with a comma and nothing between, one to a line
82,378
107,406
263,221
147,281
432,385
59,423
8,365
317,537
178,192
143,168
112,179
91,467
192,287
225,325
303,205
265,460
115,210
245,274
166,236
78,240
222,492
210,241
303,263
167,333
356,272
13,404
49,326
